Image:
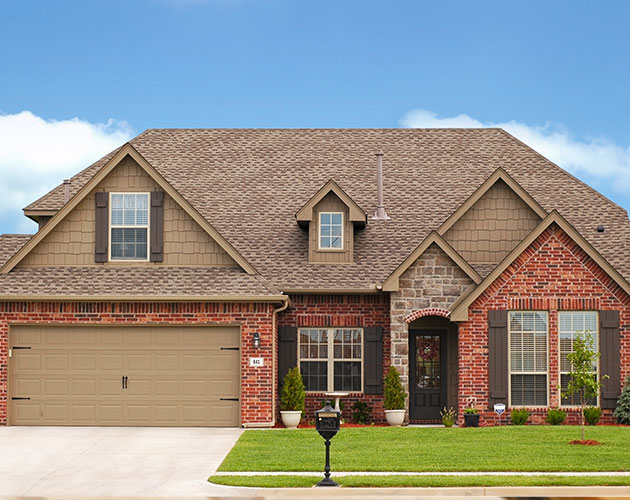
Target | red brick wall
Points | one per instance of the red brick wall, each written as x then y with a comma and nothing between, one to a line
256,383
553,274
342,310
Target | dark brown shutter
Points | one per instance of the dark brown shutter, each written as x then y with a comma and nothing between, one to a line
610,353
373,360
287,351
101,230
157,226
498,356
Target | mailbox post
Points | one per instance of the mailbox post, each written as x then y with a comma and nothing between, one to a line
327,423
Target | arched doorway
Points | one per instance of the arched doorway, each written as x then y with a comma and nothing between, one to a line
432,367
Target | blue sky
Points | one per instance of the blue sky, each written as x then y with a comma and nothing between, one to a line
84,76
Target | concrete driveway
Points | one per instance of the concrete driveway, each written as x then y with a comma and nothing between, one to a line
112,461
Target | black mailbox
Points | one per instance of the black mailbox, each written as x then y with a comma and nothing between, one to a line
327,423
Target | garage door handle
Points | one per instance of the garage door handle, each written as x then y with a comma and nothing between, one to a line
228,399
20,399
124,381
230,349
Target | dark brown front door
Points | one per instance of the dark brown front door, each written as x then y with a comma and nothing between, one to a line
427,366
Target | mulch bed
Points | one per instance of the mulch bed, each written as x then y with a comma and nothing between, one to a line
586,442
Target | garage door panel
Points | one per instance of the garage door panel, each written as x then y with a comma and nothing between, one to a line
175,376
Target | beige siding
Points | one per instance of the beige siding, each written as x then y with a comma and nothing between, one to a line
331,203
493,226
71,243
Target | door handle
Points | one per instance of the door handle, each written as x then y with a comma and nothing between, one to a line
124,381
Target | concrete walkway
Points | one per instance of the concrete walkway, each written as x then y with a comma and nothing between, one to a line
112,461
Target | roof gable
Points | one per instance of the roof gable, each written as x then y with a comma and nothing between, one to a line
305,214
126,150
391,283
460,307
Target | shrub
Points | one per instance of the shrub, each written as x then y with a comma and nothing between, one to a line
448,416
555,416
592,414
519,417
292,394
361,412
622,412
394,393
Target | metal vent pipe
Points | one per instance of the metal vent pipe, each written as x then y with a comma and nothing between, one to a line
66,191
380,213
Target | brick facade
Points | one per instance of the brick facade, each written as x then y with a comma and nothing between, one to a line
553,274
341,310
433,282
256,383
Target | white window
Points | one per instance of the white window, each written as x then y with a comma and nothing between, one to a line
528,358
129,226
331,359
570,325
331,231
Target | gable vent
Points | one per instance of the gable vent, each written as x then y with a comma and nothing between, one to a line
380,213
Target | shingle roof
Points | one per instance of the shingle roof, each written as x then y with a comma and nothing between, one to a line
249,183
11,243
159,282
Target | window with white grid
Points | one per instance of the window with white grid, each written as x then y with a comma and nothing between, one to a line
129,226
528,358
331,359
331,231
570,325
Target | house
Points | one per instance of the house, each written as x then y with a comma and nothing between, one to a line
177,279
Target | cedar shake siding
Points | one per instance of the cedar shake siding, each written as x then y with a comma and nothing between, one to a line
72,242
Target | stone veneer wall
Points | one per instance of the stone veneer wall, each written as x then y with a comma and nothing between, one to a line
433,281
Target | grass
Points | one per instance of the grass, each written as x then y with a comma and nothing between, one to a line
510,448
418,481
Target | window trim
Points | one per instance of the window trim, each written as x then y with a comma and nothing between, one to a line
509,362
110,227
330,360
560,372
319,232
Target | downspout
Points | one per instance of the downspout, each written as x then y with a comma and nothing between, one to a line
274,335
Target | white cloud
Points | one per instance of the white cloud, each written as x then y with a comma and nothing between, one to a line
598,159
37,154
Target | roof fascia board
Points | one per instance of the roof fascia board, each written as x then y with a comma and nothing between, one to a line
460,307
498,174
126,150
144,298
305,214
391,284
331,291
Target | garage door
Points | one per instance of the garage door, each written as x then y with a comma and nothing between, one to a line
131,376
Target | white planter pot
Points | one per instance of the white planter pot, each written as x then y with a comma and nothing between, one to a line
291,419
395,418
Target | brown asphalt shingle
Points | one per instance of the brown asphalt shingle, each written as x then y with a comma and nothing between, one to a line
11,243
132,281
248,183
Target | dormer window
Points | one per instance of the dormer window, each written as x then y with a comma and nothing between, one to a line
129,228
331,231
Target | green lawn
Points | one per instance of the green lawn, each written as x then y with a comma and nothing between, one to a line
418,481
510,448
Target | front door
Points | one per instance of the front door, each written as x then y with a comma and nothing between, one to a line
427,367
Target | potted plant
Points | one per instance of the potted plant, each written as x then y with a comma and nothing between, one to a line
395,397
471,417
292,398
448,416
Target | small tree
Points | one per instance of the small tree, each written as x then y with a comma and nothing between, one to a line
622,412
292,394
394,393
582,378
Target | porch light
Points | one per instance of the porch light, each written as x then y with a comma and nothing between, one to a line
256,340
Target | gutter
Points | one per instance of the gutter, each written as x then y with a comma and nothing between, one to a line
143,298
274,336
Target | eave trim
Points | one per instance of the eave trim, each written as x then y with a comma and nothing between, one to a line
391,283
144,298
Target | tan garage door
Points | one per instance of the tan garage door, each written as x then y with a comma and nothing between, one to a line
132,376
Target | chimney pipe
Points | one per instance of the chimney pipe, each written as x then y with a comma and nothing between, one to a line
66,191
380,213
